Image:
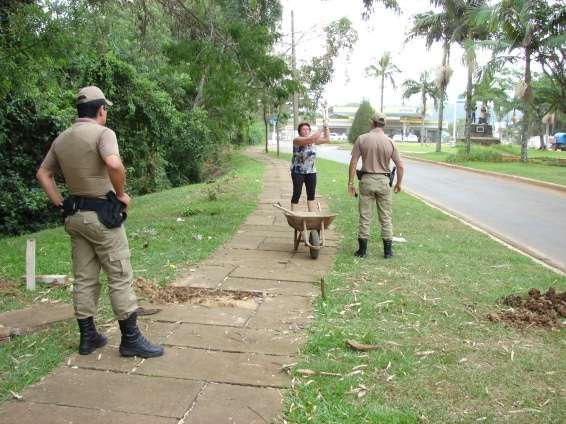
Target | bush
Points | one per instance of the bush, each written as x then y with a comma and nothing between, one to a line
477,154
360,125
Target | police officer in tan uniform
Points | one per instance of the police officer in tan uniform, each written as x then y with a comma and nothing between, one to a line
88,156
376,151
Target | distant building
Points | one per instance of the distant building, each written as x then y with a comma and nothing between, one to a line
403,122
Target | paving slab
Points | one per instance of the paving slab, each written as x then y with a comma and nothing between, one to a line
256,219
244,241
198,314
285,272
255,258
285,244
252,369
229,404
108,357
205,276
283,313
271,287
37,316
260,229
17,412
166,397
229,339
155,331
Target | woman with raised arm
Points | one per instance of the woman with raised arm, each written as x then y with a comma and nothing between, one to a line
303,170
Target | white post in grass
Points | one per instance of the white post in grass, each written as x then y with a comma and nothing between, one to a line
30,265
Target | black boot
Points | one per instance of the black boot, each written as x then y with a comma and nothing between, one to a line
133,342
90,338
363,247
387,249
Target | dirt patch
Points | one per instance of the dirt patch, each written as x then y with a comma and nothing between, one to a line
9,288
206,297
546,310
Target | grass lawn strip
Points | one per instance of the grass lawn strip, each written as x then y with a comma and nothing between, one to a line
538,170
439,359
168,232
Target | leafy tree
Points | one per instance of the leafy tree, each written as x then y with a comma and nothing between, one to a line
360,124
426,88
385,69
340,36
448,25
534,29
184,76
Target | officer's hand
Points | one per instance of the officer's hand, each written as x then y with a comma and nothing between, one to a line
124,198
397,188
352,190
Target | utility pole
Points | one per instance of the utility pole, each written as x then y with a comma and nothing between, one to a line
294,67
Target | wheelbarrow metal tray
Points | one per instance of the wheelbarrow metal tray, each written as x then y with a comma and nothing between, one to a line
312,220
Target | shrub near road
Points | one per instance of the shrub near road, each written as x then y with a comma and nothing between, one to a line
439,358
168,231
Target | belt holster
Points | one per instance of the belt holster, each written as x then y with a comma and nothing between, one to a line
110,211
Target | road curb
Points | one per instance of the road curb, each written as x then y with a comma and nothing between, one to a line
508,242
531,181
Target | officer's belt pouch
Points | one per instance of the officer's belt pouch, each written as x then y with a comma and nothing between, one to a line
359,174
110,211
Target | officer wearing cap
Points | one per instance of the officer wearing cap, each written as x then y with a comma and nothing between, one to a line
376,151
87,154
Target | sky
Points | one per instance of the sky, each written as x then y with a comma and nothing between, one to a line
384,31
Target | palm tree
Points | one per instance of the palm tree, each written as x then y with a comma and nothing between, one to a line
446,26
426,88
527,26
385,69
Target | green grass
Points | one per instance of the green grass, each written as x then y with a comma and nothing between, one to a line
433,296
161,245
543,165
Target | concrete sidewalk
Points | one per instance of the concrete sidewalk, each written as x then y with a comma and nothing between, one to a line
222,364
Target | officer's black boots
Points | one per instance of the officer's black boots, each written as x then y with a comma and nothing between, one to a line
133,342
387,249
90,338
362,249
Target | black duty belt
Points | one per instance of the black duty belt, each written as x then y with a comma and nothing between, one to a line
110,211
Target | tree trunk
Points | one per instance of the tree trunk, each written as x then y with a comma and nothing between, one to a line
277,135
526,114
266,126
422,140
382,83
469,89
445,51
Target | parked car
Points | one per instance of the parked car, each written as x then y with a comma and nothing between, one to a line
397,138
559,141
412,138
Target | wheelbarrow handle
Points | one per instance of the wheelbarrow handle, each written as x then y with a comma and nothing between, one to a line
287,211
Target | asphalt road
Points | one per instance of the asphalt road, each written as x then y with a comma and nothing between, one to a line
529,217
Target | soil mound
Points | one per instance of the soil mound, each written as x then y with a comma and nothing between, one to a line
207,297
546,310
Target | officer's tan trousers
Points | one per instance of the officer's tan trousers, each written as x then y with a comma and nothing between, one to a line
93,247
374,188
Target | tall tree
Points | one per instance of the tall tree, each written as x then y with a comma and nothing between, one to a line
427,89
385,69
445,26
360,124
340,37
534,29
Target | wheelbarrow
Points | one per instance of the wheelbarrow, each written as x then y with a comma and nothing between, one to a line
309,227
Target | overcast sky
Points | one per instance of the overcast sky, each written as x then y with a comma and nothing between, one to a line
384,31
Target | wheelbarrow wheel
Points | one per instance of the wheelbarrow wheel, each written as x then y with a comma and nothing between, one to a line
314,239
